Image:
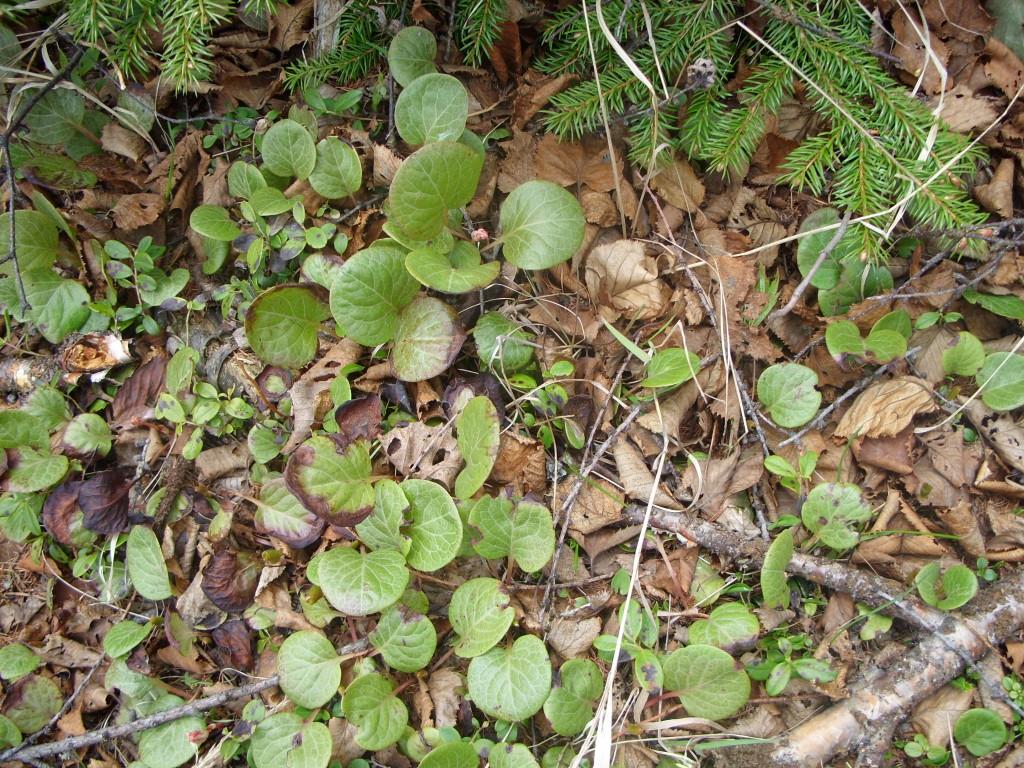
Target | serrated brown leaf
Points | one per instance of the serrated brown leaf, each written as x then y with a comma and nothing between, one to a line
678,185
427,453
310,394
135,399
571,163
233,645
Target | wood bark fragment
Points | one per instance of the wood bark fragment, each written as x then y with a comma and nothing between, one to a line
879,701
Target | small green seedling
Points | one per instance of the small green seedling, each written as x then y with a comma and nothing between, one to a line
788,656
919,748
946,590
886,341
794,478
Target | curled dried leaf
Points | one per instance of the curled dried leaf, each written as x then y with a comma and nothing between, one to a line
886,408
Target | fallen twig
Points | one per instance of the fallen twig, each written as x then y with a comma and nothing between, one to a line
127,729
950,644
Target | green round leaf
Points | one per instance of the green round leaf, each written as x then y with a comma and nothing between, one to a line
357,583
36,241
671,367
59,305
1002,381
708,681
885,345
1005,306
501,345
122,638
280,514
436,270
57,117
480,613
270,201
966,358
285,741
506,755
19,428
338,172
843,338
380,716
244,180
478,433
511,683
830,511
774,589
541,225
282,324
335,484
35,471
86,435
310,669
726,626
788,391
429,183
370,290
434,107
955,588
898,321
171,744
146,566
10,736
382,529
811,246
980,731
406,639
411,55
214,222
570,705
31,702
523,531
428,337
17,660
452,754
435,527
288,150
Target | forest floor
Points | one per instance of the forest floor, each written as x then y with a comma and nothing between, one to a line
775,536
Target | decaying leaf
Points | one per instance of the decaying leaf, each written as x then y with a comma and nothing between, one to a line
886,408
621,277
230,579
520,464
427,453
637,478
598,505
310,395
577,163
678,185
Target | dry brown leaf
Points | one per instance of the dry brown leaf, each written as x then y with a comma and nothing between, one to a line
570,638
1000,431
139,210
572,163
121,141
310,395
889,453
599,209
636,478
622,278
936,715
997,195
385,165
678,185
446,688
965,111
288,25
1004,68
222,460
520,464
719,479
427,453
516,167
886,408
598,504
343,740
531,97
916,59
